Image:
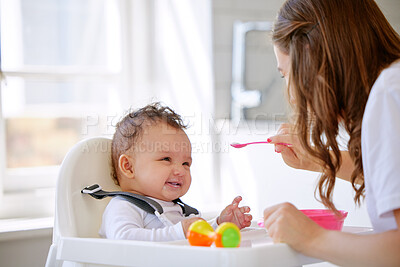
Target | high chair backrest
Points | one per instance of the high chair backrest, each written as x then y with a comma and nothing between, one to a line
87,163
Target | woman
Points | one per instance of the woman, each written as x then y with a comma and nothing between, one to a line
341,62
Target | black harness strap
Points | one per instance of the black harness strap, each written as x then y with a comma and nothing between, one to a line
147,204
186,209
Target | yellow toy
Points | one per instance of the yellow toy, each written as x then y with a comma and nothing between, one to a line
227,234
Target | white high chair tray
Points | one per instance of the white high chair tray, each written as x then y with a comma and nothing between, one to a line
256,249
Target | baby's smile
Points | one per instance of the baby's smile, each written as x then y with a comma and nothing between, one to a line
174,184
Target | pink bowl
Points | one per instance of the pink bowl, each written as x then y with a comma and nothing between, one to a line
326,218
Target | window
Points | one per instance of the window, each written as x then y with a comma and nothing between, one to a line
62,70
72,68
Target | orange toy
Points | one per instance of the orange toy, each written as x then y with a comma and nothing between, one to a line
200,233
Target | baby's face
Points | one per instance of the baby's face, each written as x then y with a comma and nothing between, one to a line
161,162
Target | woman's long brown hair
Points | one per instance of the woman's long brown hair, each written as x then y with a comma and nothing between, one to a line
337,49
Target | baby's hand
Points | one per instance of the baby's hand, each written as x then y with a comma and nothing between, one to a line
235,214
187,222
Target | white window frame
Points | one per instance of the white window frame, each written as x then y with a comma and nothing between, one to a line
30,192
22,179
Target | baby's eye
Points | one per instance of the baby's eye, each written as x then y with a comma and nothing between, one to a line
186,164
166,159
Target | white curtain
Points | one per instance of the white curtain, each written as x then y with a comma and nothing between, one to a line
171,51
183,67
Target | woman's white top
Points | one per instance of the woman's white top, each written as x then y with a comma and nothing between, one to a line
380,143
124,220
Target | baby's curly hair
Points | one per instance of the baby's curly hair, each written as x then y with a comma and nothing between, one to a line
130,128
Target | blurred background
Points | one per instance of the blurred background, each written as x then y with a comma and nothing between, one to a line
71,69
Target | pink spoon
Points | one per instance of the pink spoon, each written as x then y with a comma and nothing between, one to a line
237,145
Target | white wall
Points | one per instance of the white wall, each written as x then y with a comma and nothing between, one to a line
261,73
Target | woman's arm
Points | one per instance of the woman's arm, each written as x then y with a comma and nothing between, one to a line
287,224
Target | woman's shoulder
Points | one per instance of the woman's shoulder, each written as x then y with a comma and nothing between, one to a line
389,80
385,93
392,71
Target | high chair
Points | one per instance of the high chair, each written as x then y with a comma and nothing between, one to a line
78,217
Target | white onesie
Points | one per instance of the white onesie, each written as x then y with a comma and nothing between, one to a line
124,220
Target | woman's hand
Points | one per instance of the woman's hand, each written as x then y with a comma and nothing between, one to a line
286,224
288,144
235,214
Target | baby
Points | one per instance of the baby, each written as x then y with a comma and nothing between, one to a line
151,156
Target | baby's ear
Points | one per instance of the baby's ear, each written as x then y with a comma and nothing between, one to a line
125,165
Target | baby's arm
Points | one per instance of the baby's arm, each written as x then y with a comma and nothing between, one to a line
187,222
122,220
235,214
128,231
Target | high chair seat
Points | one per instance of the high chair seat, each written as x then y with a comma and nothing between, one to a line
78,217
